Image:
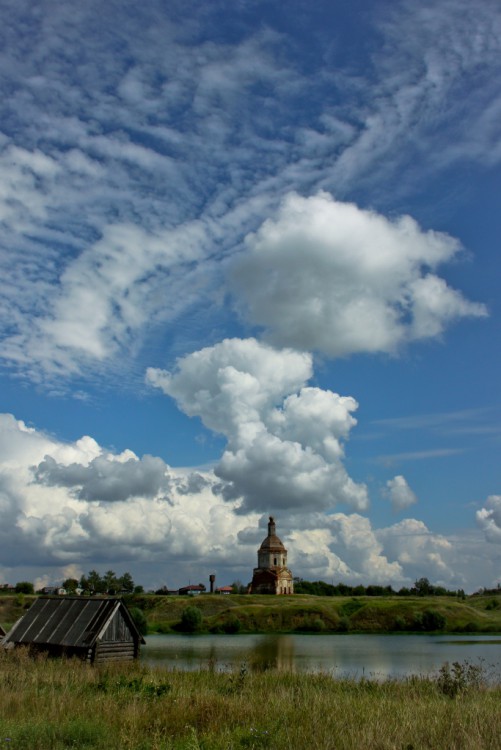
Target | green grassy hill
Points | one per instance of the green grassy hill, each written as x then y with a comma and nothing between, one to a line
306,613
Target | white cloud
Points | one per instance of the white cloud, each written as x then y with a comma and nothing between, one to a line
348,548
110,291
329,276
64,504
489,519
399,493
285,440
121,156
354,540
123,189
54,528
421,553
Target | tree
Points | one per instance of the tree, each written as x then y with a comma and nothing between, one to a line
70,584
238,587
24,587
95,583
423,587
110,581
126,584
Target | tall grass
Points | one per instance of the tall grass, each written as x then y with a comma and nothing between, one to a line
55,704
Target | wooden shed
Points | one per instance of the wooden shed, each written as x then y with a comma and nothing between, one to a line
93,629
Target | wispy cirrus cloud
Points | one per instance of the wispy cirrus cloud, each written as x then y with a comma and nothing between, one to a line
420,455
105,132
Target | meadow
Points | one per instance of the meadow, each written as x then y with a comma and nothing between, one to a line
51,704
54,704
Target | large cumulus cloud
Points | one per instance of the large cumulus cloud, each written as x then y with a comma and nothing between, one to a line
285,439
328,276
65,503
54,519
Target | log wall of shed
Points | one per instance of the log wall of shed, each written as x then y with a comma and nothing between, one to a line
108,651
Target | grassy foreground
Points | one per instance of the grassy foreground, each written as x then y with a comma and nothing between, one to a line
55,704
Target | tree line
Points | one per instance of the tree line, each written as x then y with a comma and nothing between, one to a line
422,587
92,583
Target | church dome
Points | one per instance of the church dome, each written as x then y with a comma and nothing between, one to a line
272,541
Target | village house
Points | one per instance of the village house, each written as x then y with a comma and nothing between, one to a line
272,576
192,590
224,590
95,630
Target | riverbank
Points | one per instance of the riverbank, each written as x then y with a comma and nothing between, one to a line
306,614
59,704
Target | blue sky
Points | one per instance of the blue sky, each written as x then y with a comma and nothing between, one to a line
250,265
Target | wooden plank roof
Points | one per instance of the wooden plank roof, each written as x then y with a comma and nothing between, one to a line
67,621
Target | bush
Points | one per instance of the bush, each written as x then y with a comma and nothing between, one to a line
470,627
493,604
349,608
399,623
428,620
311,624
191,620
232,625
343,625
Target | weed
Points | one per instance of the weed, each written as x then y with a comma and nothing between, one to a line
256,738
236,681
136,686
460,677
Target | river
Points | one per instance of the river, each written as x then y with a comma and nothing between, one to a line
372,656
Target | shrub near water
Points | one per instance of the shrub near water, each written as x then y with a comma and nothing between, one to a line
191,620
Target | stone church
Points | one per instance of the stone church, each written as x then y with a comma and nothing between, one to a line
272,576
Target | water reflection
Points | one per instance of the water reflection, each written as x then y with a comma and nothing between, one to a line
340,655
273,653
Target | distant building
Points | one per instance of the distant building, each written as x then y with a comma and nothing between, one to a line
224,590
192,590
272,576
96,630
